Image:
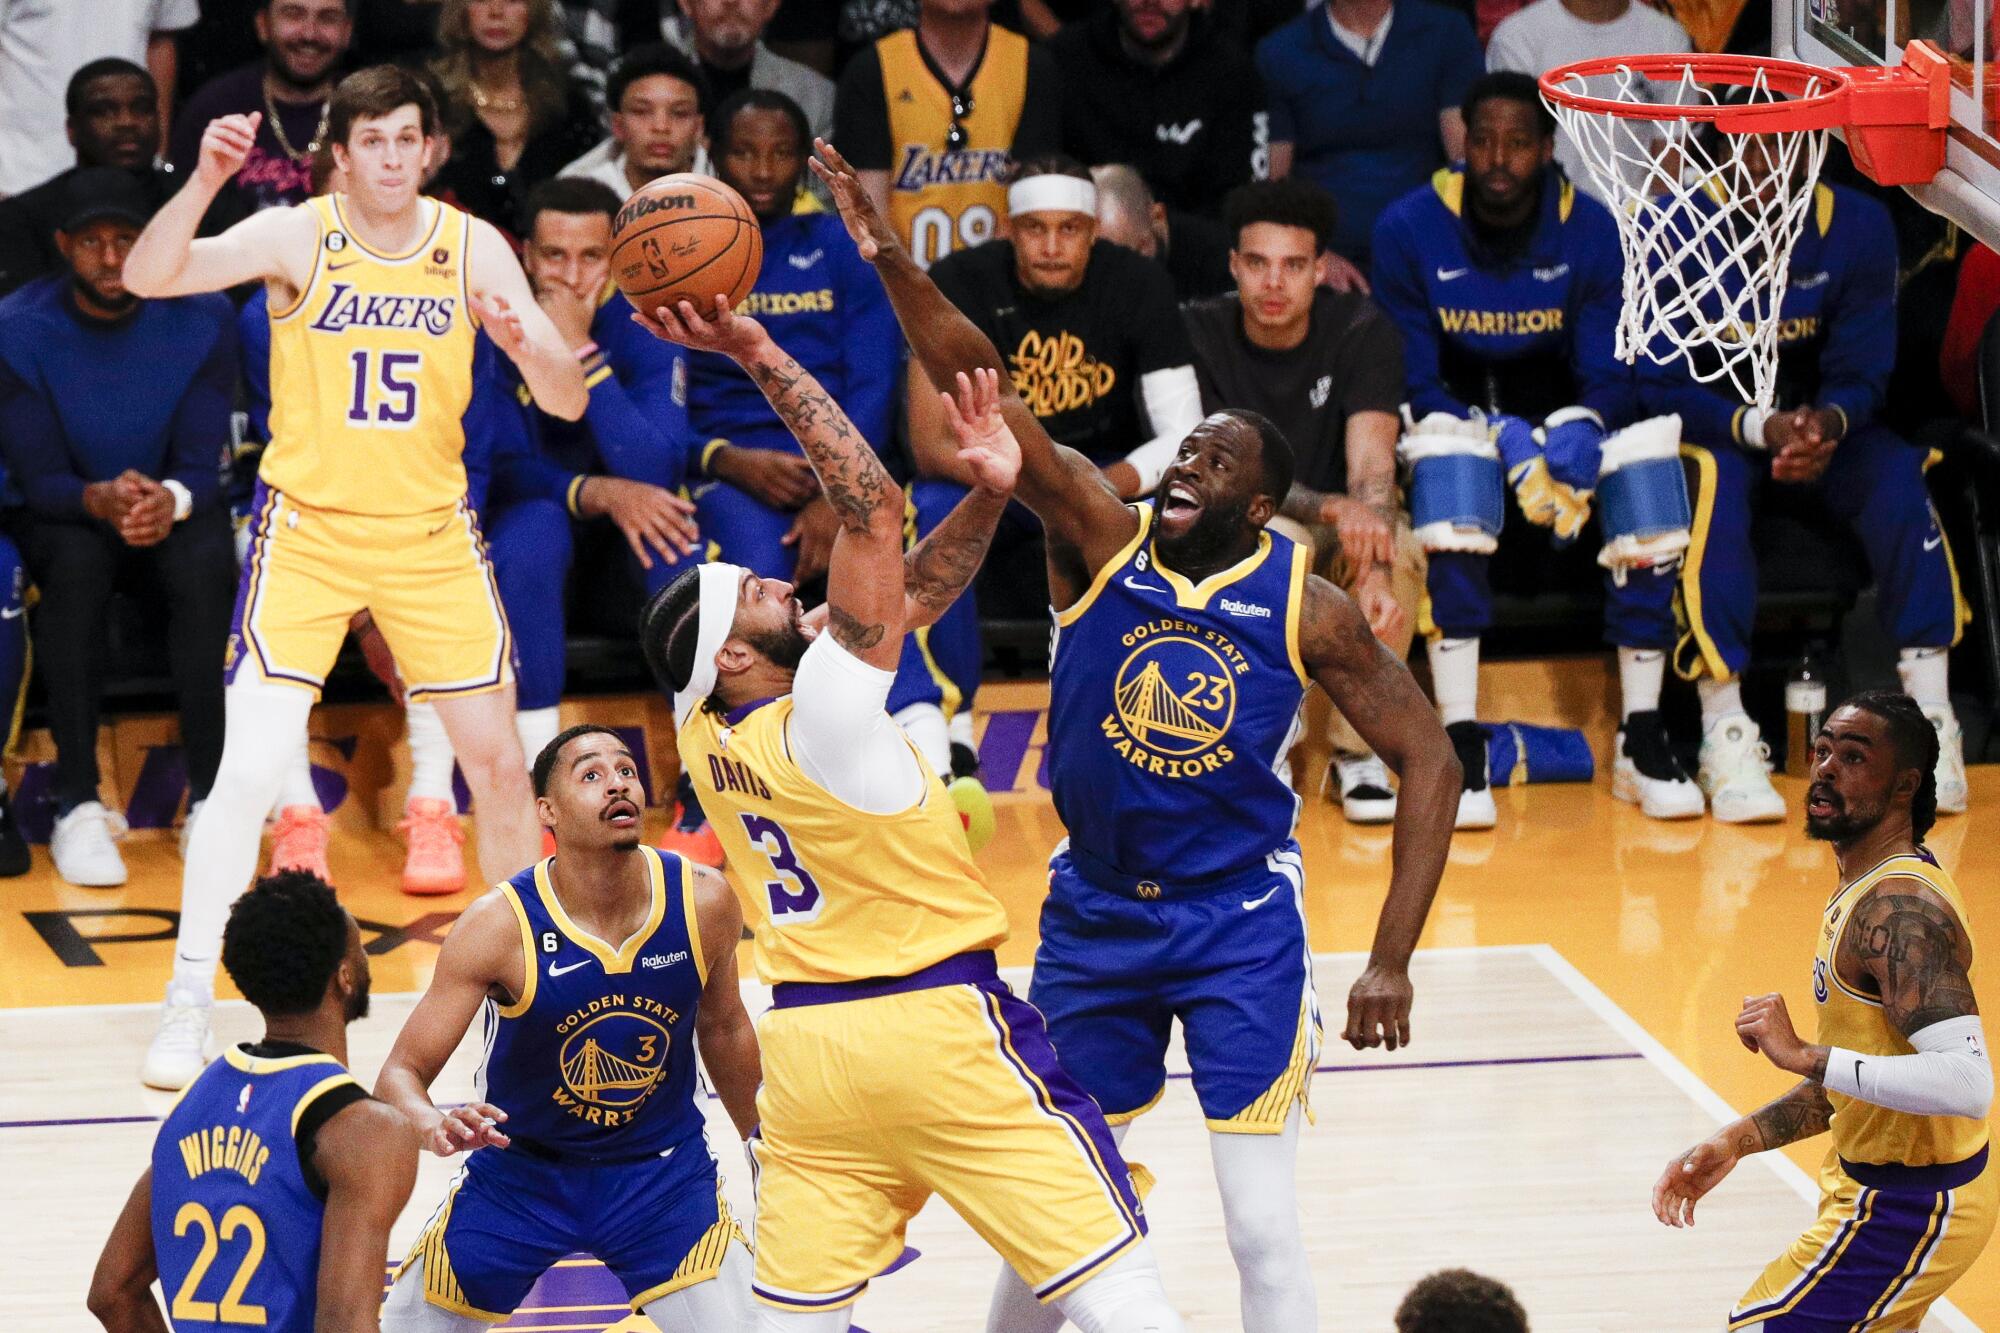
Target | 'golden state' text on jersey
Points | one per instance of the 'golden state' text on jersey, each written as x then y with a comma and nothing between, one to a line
1172,708
595,1058
834,893
371,371
236,1225
1853,1019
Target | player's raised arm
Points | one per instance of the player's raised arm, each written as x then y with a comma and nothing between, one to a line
481,955
121,1289
519,326
1377,694
1062,486
273,245
724,1034
367,1153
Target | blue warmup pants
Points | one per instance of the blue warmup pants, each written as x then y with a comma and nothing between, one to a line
1638,615
1875,484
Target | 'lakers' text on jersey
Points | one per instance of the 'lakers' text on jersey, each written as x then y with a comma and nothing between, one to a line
836,893
946,196
1172,708
371,371
595,1058
236,1213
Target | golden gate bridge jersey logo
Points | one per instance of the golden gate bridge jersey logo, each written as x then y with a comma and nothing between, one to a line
610,1063
1173,699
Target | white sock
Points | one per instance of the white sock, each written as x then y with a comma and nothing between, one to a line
1641,671
1923,671
924,724
1719,699
536,727
961,728
296,787
722,1304
431,758
224,843
1258,1177
1455,678
1127,1297
1014,1308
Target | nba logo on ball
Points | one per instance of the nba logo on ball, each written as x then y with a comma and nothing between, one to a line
685,238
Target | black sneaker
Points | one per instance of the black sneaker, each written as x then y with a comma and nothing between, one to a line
1476,807
15,859
964,760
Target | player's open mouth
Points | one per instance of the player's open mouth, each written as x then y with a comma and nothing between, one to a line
621,813
1182,502
1820,803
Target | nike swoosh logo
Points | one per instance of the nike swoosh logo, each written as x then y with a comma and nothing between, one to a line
13,613
1256,903
1932,543
555,971
335,268
1142,587
1448,274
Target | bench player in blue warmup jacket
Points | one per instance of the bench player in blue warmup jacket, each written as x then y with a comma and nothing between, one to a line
1820,445
1505,281
1186,636
593,972
276,1177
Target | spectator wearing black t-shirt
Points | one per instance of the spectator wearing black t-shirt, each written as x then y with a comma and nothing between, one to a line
1089,335
1148,83
1194,250
1327,367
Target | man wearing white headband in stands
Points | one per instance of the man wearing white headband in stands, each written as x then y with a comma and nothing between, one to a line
1090,334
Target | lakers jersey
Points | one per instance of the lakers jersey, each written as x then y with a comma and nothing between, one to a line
943,198
1172,708
236,1225
371,371
595,1059
1862,1131
836,893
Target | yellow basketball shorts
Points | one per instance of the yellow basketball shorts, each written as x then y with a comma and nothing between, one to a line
1887,1243
879,1094
425,578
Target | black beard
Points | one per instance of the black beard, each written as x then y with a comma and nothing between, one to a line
1843,825
87,297
284,75
785,646
1210,537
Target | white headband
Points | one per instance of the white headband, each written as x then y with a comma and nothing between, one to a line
1051,194
721,584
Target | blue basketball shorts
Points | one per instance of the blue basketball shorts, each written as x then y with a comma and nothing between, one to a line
1122,959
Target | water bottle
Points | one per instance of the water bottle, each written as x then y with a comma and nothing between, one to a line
1805,710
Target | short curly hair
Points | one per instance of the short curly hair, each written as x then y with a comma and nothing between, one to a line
1458,1300
284,940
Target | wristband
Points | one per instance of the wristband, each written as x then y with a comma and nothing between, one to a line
708,452
183,499
574,495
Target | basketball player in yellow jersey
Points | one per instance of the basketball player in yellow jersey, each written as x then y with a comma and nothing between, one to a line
1899,1073
376,295
933,118
897,1064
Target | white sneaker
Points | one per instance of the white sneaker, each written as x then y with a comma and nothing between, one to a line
83,847
1476,809
1646,772
187,825
1735,772
1952,789
180,1049
1365,794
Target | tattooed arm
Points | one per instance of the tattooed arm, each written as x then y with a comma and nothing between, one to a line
1799,1114
1905,944
1376,693
939,567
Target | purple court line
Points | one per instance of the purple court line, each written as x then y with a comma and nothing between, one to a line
1319,1069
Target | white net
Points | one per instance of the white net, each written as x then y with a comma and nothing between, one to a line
1706,219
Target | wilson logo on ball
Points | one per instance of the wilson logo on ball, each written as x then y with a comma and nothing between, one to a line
646,205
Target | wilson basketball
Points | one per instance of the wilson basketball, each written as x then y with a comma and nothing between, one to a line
685,238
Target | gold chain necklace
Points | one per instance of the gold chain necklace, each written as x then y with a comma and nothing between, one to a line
277,124
486,101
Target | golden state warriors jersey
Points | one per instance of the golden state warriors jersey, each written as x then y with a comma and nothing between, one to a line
835,893
371,371
942,198
1862,1131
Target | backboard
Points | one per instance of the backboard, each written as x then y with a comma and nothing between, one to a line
1874,32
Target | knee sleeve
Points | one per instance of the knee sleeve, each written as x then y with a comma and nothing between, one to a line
720,1305
1642,498
1457,493
1127,1297
406,1310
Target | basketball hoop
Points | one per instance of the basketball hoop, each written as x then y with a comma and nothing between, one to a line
1709,164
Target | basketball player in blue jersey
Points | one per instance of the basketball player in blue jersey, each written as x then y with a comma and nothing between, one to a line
1899,1073
275,1178
1186,636
594,973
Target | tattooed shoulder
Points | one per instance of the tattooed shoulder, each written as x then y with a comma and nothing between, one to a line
1911,945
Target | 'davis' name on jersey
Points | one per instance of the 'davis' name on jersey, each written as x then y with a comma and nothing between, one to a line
348,309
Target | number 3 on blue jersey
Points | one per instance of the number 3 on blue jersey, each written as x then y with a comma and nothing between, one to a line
795,898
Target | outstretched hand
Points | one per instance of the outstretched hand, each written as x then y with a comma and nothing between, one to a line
872,234
502,324
985,445
720,330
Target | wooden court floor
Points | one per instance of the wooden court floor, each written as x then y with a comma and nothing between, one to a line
1573,1029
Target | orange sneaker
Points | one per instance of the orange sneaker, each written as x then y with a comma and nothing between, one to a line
298,841
435,863
698,844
